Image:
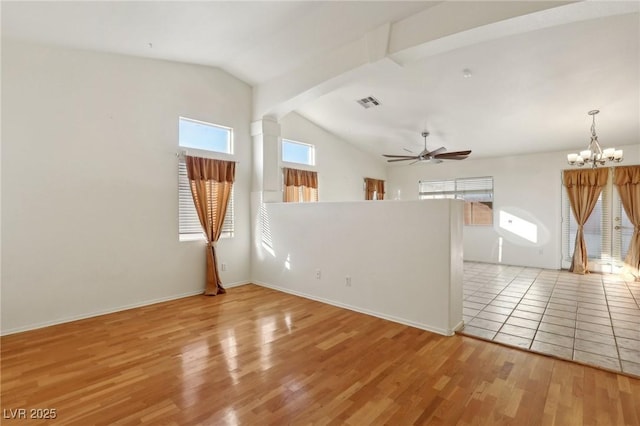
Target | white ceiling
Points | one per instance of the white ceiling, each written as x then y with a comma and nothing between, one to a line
527,93
253,40
531,85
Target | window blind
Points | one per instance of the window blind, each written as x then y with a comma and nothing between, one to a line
188,222
433,189
475,189
468,189
477,193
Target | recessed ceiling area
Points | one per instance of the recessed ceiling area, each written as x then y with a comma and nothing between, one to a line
504,78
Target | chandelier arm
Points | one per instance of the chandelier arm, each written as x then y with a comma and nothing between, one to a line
594,146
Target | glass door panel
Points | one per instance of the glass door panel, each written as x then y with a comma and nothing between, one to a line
622,232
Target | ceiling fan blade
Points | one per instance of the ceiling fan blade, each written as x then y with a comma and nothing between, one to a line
458,157
453,154
436,156
399,156
437,151
402,159
408,150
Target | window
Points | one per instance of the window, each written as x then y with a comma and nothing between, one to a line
205,136
188,223
298,152
476,192
300,186
373,189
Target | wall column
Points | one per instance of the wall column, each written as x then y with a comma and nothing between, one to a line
265,185
266,174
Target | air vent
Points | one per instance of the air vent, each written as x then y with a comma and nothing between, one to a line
368,102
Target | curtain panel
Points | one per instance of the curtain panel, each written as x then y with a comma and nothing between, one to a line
300,185
211,182
627,181
583,188
374,187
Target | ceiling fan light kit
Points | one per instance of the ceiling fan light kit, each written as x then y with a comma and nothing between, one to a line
595,155
435,156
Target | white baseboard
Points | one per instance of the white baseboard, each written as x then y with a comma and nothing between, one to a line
236,284
392,318
399,320
111,310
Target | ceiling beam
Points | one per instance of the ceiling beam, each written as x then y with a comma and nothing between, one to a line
423,35
321,75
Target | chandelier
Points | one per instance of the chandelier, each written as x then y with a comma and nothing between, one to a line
594,155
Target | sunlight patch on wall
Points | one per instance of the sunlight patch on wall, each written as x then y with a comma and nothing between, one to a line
519,226
263,239
268,249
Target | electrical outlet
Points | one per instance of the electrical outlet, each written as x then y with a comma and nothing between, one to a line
318,274
348,281
223,266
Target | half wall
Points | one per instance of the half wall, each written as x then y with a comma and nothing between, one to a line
398,260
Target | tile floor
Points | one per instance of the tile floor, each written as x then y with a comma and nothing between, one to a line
593,319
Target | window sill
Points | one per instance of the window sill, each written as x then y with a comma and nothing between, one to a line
301,166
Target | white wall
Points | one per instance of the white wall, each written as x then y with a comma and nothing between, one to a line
89,184
400,268
528,186
340,165
89,181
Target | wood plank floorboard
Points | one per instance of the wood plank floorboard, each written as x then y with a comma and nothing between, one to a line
255,356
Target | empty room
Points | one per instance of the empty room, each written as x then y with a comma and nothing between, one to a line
320,212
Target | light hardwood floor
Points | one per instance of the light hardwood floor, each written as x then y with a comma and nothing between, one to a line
257,356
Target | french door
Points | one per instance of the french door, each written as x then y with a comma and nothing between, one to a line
622,232
607,232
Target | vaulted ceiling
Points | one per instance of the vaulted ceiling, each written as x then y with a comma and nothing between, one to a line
496,77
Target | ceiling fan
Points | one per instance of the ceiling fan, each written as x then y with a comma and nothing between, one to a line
435,156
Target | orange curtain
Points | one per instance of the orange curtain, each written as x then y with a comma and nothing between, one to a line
300,185
627,180
374,187
583,188
211,182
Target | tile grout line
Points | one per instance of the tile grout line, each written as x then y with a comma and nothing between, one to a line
494,298
519,301
615,339
502,280
575,325
555,284
577,286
